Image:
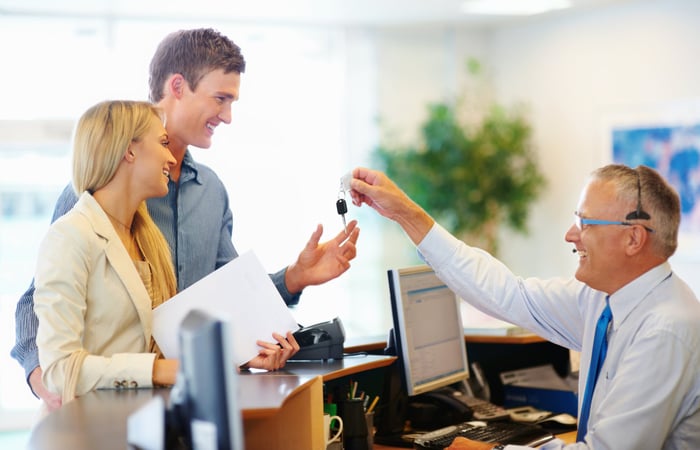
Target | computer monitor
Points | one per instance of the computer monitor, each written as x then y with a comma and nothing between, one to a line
206,391
428,332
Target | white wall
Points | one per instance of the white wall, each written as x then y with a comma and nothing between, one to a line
578,73
575,72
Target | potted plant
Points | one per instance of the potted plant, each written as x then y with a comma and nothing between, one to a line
471,177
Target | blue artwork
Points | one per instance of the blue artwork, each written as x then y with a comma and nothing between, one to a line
674,151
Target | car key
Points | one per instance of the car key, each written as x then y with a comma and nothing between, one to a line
342,209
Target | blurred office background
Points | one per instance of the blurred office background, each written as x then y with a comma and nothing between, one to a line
325,82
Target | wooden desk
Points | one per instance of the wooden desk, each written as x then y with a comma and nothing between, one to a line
378,343
484,343
331,370
495,354
280,410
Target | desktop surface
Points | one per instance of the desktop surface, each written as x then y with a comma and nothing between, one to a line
377,343
282,403
98,419
335,368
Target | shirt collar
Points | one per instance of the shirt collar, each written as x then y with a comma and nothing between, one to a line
625,300
190,169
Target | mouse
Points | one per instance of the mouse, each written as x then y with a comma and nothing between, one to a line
563,419
477,423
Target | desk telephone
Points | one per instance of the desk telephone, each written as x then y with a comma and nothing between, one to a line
448,406
451,405
437,417
320,341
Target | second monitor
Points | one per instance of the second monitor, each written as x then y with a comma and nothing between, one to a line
428,331
429,341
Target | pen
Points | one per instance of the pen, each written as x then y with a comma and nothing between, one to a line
374,403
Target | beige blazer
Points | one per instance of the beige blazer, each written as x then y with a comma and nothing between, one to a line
90,298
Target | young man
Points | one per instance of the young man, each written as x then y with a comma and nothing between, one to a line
195,77
646,393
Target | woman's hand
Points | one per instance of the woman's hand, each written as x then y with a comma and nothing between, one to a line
273,356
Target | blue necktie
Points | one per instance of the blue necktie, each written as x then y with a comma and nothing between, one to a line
600,348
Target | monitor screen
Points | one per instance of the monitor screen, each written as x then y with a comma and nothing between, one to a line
428,331
206,385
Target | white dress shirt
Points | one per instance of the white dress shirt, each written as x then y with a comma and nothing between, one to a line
648,392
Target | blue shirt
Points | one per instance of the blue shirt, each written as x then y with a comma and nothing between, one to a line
195,218
648,392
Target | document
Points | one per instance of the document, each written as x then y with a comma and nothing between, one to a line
240,292
543,377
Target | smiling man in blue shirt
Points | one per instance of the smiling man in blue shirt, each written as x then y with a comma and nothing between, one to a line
647,394
195,78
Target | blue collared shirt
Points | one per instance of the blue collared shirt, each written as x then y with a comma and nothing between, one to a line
648,392
195,218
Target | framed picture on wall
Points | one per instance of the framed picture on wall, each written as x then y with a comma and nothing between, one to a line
665,137
673,150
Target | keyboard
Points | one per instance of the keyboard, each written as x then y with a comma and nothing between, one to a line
513,433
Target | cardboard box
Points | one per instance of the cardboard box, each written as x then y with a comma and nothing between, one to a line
542,388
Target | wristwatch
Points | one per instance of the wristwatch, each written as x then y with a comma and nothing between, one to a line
499,447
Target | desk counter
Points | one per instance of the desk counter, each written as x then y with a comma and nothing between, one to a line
280,410
378,343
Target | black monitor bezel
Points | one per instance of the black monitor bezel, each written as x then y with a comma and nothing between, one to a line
207,378
395,277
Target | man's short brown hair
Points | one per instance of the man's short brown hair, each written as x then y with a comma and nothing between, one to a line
193,54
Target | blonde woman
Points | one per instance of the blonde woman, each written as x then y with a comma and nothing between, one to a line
104,265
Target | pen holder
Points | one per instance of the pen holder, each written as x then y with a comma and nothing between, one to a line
369,419
355,436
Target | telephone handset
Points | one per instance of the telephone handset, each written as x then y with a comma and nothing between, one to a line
479,387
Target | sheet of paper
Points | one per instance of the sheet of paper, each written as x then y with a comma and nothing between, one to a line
543,376
240,292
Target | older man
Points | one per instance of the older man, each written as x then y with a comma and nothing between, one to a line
640,373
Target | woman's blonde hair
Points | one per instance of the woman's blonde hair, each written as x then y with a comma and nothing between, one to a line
100,140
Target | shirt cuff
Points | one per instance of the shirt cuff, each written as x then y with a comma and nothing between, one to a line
133,370
289,298
30,363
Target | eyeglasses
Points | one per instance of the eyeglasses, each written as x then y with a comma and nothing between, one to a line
637,214
581,221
